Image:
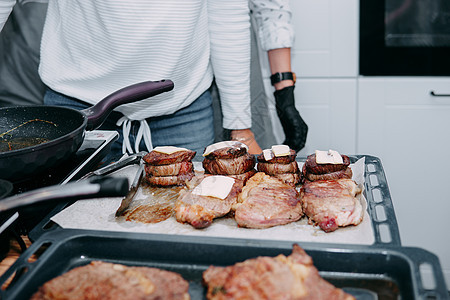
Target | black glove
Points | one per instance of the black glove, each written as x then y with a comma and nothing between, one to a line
295,129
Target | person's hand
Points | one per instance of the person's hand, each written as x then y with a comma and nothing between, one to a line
247,137
295,129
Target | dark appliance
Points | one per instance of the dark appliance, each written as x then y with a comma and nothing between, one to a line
404,38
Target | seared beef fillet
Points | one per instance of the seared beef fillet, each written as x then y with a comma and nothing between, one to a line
199,211
237,149
277,168
101,280
265,202
285,168
332,203
170,170
162,181
313,171
229,166
159,158
281,277
347,174
164,169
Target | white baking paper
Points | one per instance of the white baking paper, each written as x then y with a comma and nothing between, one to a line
99,214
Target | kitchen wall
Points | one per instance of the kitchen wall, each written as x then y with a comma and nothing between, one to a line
393,118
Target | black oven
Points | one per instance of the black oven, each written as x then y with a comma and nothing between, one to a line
404,38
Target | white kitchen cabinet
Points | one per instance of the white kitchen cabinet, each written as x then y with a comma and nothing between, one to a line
401,123
328,106
326,38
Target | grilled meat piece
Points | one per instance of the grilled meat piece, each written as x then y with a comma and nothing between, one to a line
229,166
163,181
170,170
237,149
244,176
162,169
198,210
159,158
313,171
278,159
101,280
289,178
281,277
277,168
332,203
342,174
266,202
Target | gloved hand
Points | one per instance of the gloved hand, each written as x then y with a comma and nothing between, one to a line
295,129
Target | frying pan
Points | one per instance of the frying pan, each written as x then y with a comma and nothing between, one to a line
61,128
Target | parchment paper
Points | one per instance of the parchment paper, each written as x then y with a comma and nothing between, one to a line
98,214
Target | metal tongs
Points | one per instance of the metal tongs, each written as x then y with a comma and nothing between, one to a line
130,160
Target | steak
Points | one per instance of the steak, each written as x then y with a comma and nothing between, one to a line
234,150
170,170
159,158
244,176
311,166
162,169
165,181
266,202
279,159
229,166
102,280
289,178
281,277
332,203
198,210
277,168
342,174
285,168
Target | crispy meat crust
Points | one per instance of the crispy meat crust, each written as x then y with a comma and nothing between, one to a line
158,158
101,280
263,277
311,166
228,152
229,166
279,159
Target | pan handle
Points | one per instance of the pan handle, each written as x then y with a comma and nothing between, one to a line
98,113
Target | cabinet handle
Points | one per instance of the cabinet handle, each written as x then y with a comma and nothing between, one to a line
432,93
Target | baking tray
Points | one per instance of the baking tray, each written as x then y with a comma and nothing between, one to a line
379,205
367,272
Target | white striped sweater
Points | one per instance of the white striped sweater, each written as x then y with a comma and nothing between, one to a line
90,48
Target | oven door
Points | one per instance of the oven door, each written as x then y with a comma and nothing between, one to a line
404,38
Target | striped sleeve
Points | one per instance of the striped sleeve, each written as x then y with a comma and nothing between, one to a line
229,26
6,7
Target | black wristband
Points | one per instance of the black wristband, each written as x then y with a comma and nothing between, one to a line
277,77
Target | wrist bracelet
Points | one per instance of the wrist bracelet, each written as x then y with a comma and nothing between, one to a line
280,76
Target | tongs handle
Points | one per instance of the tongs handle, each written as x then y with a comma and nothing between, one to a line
85,189
130,160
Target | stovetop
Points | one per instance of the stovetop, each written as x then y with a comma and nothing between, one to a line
89,156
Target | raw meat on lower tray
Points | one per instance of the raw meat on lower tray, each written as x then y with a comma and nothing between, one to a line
281,277
102,280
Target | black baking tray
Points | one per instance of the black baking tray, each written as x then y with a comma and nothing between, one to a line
379,205
367,272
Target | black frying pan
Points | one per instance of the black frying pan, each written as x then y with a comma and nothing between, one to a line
45,136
